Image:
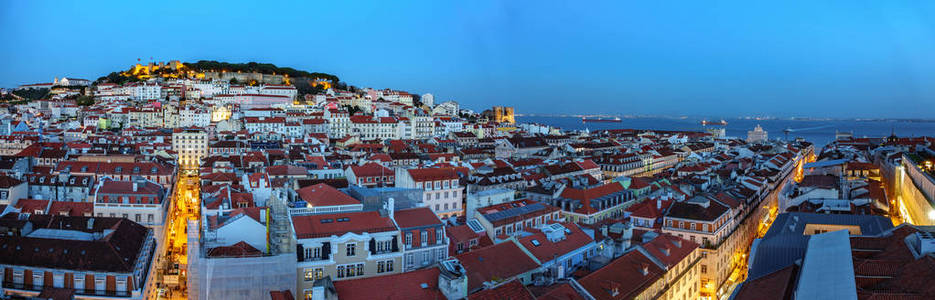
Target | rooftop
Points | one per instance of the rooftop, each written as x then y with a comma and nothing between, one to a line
315,226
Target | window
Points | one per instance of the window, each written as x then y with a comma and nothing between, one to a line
389,266
380,267
704,269
446,206
408,239
340,271
442,253
351,249
693,226
425,237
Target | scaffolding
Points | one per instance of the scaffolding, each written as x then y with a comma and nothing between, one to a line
240,277
251,277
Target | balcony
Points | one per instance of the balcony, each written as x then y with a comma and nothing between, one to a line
21,287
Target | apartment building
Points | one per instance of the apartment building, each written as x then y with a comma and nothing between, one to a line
442,193
95,257
191,145
348,245
423,237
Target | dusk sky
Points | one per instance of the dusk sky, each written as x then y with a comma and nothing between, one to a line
711,58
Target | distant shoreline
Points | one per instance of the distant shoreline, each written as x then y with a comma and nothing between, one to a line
907,120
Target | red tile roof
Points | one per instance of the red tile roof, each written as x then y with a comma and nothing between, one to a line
126,187
281,295
71,208
8,182
563,291
371,170
431,174
500,261
416,217
461,233
324,225
513,290
585,195
649,208
32,205
116,252
623,278
324,195
669,249
282,170
240,249
397,286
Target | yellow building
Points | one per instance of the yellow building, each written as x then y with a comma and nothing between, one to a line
503,114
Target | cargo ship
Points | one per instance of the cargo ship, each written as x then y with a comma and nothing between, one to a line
596,120
719,123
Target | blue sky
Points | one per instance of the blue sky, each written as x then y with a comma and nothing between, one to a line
713,58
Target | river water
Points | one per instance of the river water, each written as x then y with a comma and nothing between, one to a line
819,132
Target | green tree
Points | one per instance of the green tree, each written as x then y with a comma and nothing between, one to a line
84,100
32,94
351,109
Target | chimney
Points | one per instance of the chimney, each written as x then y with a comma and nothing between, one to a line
645,269
658,203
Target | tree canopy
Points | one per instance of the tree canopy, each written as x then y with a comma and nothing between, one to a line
208,65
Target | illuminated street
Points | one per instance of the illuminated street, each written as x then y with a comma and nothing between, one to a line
184,208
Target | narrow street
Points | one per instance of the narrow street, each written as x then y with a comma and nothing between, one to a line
171,281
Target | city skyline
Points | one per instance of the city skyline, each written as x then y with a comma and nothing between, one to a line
466,150
720,59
